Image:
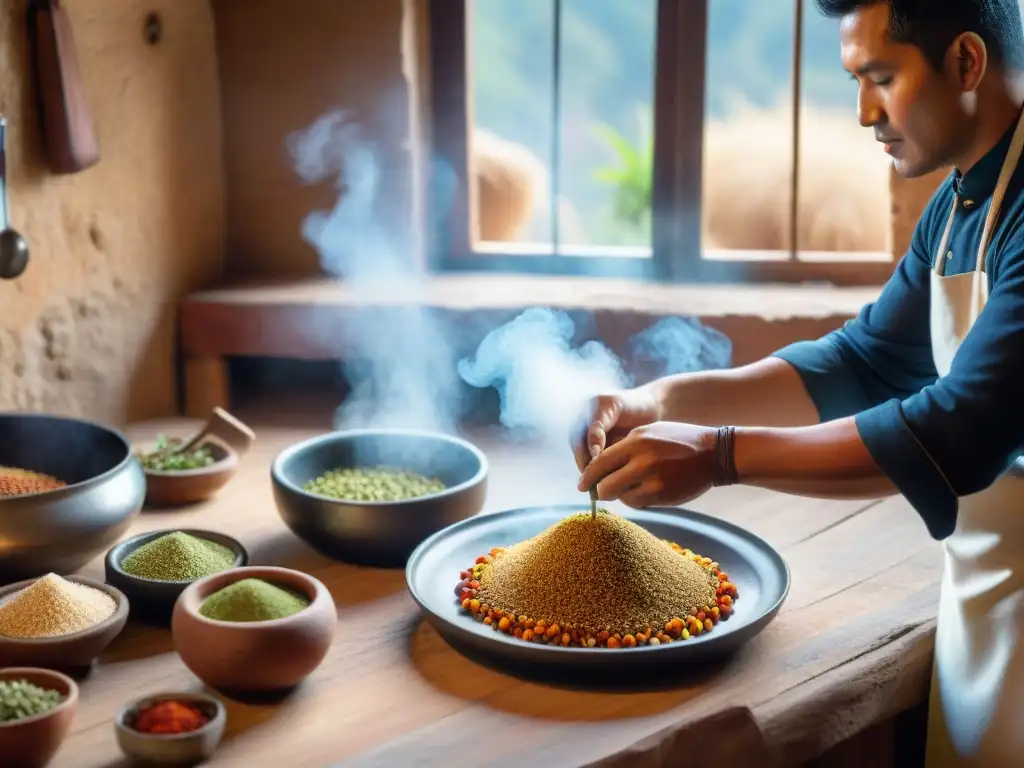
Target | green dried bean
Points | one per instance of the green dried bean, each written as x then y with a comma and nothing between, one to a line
376,484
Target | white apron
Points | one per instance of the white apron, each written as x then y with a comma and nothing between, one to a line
976,709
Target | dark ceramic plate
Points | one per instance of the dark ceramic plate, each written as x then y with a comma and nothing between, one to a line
759,572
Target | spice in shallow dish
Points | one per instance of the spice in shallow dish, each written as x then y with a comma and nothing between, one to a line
20,699
52,606
597,582
161,460
178,556
373,484
20,482
252,600
169,716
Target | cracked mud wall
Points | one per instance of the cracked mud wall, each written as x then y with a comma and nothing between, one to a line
88,330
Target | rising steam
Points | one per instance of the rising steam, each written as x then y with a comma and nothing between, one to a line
401,366
404,364
543,382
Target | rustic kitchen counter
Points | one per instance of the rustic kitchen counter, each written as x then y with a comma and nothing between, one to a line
851,647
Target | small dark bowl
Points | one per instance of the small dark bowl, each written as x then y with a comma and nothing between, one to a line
33,741
190,486
60,531
65,652
381,533
173,748
152,600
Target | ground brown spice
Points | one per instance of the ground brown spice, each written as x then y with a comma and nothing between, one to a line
598,576
18,482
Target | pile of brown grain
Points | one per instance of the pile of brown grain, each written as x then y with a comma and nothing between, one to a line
53,606
18,482
603,574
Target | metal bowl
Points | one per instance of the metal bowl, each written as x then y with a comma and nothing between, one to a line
61,530
759,570
381,533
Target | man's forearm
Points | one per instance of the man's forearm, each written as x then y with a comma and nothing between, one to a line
825,461
767,393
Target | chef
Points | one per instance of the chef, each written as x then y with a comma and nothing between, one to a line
923,393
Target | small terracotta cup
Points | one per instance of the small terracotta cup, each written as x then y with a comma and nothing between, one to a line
255,656
172,748
33,741
73,651
189,486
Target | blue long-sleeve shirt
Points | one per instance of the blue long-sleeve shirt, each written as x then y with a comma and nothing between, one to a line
937,439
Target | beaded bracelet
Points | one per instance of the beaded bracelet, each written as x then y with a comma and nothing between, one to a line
724,470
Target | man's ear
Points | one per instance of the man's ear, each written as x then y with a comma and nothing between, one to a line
970,56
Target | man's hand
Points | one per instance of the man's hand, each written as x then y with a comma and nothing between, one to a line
609,418
665,463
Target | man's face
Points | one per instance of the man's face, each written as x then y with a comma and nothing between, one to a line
917,112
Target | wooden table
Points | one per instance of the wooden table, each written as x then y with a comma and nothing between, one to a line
851,647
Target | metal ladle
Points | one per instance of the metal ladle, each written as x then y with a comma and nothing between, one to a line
14,251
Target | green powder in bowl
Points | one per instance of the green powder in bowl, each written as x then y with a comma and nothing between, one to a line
252,600
178,556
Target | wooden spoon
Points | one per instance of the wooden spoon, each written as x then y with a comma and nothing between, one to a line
223,426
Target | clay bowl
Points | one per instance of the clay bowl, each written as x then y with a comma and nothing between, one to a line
61,530
190,486
68,652
33,741
258,656
171,749
153,600
379,533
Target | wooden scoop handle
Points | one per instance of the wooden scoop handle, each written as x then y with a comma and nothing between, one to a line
224,427
65,120
231,430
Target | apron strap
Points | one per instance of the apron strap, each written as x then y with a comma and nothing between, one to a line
1005,174
940,255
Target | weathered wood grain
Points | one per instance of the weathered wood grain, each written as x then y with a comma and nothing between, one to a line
850,647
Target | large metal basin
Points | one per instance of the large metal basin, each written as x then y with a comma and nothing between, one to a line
59,531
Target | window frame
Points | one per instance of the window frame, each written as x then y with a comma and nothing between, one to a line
676,249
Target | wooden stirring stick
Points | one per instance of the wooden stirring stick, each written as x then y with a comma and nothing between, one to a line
224,426
594,451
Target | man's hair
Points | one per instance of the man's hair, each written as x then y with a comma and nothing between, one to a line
932,25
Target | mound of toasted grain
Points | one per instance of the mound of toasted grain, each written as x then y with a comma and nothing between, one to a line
597,574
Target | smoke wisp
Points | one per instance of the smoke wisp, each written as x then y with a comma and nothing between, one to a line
543,382
681,345
404,364
400,366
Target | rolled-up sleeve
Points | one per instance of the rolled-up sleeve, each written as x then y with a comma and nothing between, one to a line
958,435
879,368
883,353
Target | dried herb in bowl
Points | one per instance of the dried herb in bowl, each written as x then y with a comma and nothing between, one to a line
20,699
252,600
161,460
178,556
